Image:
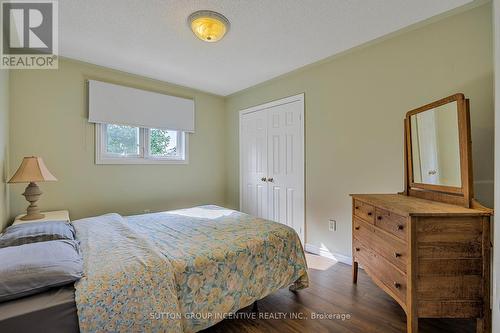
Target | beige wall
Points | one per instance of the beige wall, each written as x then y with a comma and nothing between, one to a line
355,105
4,147
49,119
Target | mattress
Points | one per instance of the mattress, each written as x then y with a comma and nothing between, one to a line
50,311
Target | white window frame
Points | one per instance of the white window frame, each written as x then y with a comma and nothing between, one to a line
103,157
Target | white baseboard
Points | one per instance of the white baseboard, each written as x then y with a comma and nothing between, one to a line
327,254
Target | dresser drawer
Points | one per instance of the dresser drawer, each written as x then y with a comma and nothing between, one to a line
393,250
382,272
364,211
390,222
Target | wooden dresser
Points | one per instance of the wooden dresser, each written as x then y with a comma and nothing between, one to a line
429,247
431,257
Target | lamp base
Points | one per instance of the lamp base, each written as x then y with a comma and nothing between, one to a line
32,194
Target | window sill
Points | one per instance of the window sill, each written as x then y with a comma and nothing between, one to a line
138,161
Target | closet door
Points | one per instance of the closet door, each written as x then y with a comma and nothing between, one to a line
272,162
286,165
253,159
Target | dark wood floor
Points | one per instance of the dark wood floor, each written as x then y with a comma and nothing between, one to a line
332,292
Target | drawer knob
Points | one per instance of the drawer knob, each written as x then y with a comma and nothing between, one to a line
263,179
357,207
357,249
356,227
370,214
397,285
379,217
400,227
397,255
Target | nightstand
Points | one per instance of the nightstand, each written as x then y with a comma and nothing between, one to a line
58,215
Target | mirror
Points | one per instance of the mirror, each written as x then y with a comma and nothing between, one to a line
436,146
438,162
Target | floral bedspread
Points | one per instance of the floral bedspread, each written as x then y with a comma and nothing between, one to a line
181,271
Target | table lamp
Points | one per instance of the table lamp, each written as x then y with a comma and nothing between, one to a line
31,170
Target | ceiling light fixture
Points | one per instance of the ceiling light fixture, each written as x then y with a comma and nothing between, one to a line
208,26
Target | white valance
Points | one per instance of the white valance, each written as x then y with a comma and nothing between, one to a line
115,104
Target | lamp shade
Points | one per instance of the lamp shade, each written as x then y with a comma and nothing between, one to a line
32,169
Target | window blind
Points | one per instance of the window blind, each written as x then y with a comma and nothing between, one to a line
115,104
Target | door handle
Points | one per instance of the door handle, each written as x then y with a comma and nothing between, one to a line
263,179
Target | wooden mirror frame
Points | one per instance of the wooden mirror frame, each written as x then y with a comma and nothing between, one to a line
463,195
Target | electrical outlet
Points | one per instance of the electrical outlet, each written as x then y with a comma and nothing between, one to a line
332,225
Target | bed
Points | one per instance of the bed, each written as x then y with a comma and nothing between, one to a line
183,270
179,271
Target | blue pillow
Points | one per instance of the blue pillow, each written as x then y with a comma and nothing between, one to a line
34,232
33,268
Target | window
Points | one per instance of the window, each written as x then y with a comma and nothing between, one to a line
122,141
121,144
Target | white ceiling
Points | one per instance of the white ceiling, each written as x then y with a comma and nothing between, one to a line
267,37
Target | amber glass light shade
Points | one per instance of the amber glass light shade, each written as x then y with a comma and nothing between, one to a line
208,26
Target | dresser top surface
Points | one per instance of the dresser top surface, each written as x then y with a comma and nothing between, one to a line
411,206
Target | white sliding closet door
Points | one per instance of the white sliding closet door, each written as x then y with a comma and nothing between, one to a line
272,162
